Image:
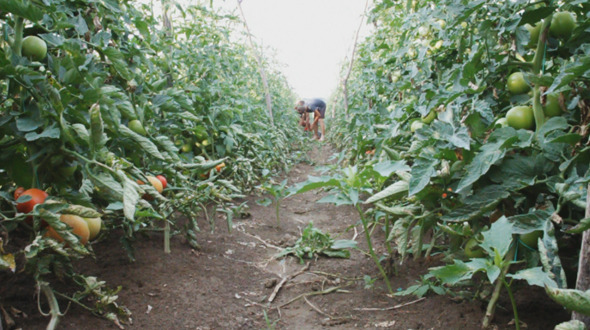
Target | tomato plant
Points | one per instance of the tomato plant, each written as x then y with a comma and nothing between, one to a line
489,82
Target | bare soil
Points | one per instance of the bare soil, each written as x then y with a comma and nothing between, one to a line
227,284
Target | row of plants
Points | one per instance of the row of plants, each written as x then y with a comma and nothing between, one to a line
466,135
118,118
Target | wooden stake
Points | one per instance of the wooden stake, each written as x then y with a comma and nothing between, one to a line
260,67
583,281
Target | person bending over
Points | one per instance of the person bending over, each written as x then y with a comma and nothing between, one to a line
318,107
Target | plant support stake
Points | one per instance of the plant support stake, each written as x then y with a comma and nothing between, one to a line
583,281
260,68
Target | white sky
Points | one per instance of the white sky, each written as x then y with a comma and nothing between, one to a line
312,38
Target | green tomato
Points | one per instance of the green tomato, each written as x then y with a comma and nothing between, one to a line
416,125
516,83
187,147
535,32
520,117
562,25
136,126
67,170
531,239
429,117
552,107
473,250
34,48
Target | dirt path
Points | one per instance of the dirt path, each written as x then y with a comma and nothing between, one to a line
228,283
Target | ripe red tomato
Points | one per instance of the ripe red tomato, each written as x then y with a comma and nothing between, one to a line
19,191
38,196
163,180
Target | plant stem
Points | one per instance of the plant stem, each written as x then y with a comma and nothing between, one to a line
514,309
277,210
496,294
17,44
166,236
371,251
53,305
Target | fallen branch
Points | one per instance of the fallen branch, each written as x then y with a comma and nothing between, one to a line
390,308
316,272
284,280
315,293
317,309
261,240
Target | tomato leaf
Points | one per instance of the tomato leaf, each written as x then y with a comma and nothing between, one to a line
145,144
396,188
97,137
422,170
549,255
477,204
386,168
574,300
581,227
51,132
28,124
130,198
481,163
22,8
571,325
534,276
498,237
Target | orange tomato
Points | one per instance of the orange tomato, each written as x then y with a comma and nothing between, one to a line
78,225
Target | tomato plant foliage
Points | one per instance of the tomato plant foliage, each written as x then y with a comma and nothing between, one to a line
462,169
119,94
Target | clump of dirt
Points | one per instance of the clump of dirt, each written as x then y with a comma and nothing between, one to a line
229,282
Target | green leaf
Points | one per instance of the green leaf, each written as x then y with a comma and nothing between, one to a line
344,244
478,203
571,325
498,237
28,124
314,182
453,274
574,300
51,132
581,227
392,190
386,168
534,276
130,198
22,8
549,255
147,145
398,210
422,171
264,201
336,199
119,63
571,139
97,137
490,153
